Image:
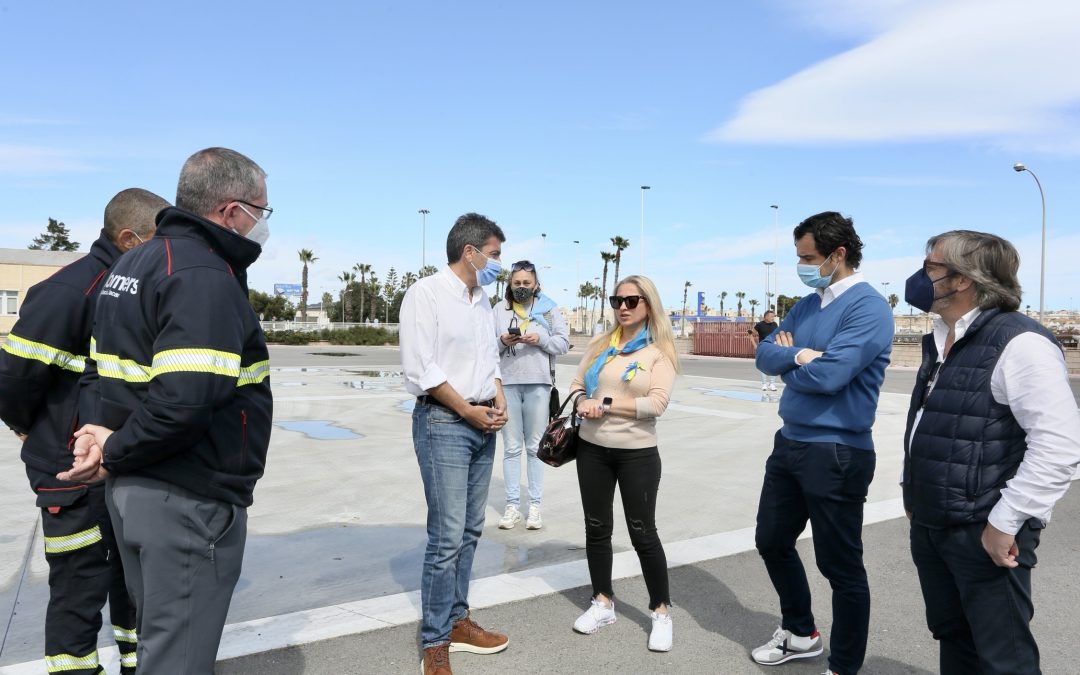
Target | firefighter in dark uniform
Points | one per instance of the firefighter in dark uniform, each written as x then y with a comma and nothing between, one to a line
41,364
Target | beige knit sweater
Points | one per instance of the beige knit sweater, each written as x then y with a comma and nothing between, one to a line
651,389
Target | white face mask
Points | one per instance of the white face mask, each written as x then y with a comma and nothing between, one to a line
261,232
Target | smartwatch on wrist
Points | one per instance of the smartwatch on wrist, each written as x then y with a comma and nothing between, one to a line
606,403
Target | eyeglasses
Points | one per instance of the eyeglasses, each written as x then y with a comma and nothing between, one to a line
523,266
267,211
631,301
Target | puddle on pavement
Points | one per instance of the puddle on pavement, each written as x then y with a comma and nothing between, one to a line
377,373
335,353
320,430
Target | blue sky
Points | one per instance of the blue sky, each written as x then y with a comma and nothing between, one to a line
905,114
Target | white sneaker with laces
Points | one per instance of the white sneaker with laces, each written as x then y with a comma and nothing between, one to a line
534,521
772,387
510,518
595,616
785,646
660,637
764,387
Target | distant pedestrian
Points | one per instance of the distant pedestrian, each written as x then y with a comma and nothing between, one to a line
761,330
42,363
992,443
451,366
623,384
180,410
531,332
831,351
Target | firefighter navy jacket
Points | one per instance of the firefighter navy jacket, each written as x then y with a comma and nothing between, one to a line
182,370
45,355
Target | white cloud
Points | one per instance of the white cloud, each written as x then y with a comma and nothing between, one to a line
987,69
34,159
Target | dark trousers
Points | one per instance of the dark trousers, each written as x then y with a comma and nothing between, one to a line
84,571
637,473
978,612
824,483
182,553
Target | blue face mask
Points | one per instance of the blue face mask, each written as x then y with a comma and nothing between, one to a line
489,272
919,290
811,275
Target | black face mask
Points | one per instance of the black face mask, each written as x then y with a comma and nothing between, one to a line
919,290
522,294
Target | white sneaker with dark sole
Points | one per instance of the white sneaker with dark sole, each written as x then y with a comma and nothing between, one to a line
784,647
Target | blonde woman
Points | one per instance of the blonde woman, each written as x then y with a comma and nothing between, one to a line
623,384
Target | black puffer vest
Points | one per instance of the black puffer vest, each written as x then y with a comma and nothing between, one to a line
967,444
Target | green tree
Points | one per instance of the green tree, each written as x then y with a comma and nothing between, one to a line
607,258
723,294
753,307
685,292
894,300
307,257
389,291
740,295
408,279
585,292
271,307
55,238
784,304
347,278
620,245
363,270
428,270
500,279
327,304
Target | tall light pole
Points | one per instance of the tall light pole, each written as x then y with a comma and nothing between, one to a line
885,292
1042,262
423,237
643,189
768,271
543,246
581,298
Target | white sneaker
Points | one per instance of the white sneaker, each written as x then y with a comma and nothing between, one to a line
764,387
772,387
510,518
784,646
660,637
534,521
595,616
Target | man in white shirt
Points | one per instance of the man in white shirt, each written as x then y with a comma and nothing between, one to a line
451,365
993,439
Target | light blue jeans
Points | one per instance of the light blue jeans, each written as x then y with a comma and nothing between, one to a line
455,462
527,407
767,379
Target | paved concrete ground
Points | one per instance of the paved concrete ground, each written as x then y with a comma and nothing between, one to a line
338,522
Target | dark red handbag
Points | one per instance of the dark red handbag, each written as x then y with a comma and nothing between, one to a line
559,442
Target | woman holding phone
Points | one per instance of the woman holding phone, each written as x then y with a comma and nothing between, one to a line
531,332
623,384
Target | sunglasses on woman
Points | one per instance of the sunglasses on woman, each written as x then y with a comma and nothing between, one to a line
631,301
523,266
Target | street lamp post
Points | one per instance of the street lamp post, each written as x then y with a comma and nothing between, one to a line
1042,262
577,254
423,237
768,272
643,189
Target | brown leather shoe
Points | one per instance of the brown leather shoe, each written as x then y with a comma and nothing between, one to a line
467,636
437,661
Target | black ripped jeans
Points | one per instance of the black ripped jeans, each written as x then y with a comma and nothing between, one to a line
637,473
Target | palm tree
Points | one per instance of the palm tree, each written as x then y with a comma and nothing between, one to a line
620,244
740,295
598,294
501,278
373,287
308,258
723,294
753,304
407,280
363,270
894,300
586,291
607,258
346,278
685,292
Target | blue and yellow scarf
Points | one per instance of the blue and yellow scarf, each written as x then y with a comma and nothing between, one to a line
592,375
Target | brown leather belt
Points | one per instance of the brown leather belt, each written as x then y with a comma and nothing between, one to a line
431,400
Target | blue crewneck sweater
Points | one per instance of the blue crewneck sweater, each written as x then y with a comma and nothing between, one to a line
832,399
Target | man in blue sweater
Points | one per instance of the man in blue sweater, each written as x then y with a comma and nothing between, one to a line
830,351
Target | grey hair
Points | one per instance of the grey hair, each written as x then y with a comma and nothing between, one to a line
132,209
217,175
470,229
988,260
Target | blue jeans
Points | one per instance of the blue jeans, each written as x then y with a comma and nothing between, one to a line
527,407
767,379
825,483
455,463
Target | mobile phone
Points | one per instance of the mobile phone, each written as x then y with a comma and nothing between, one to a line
514,330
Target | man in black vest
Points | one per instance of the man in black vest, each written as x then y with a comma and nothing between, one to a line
992,442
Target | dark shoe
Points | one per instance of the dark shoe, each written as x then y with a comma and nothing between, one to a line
467,636
436,661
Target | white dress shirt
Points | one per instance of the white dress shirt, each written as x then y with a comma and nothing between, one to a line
834,291
445,336
1031,378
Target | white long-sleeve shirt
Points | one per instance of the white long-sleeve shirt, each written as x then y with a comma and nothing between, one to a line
1031,378
445,336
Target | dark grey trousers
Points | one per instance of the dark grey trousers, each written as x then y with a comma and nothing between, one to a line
182,555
